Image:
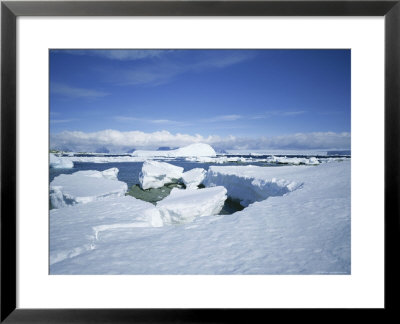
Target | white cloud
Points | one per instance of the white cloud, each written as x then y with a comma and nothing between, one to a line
129,55
293,113
150,120
222,118
119,54
164,64
164,71
61,121
117,141
74,92
279,113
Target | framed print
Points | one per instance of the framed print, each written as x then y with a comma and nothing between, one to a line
197,160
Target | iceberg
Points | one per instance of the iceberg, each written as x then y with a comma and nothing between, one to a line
183,206
60,162
192,150
156,174
85,186
193,178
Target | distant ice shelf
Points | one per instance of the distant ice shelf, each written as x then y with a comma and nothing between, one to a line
198,149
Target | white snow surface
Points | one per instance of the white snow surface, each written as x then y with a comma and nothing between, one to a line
77,229
193,177
60,163
85,186
251,183
197,149
302,231
185,205
156,174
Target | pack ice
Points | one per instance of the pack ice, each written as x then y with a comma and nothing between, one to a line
85,186
293,160
251,183
156,174
297,222
185,205
60,163
193,177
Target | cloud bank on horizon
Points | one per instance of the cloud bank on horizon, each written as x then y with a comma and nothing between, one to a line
119,142
119,100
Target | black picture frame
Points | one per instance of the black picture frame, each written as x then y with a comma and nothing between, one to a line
10,10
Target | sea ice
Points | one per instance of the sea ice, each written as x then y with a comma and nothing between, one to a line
303,231
218,159
193,177
60,163
77,229
293,160
184,205
85,186
156,174
251,183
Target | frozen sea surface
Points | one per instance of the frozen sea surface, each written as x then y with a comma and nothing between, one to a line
299,224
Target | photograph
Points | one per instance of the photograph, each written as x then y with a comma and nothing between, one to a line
199,161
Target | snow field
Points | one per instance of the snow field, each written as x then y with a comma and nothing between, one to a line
77,229
297,222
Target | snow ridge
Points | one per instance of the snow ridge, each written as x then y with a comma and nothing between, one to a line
249,189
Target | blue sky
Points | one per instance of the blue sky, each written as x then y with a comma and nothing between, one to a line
256,98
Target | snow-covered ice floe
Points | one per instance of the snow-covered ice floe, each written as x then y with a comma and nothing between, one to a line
198,149
193,178
250,183
85,186
276,152
293,160
303,231
60,163
185,205
156,174
77,229
218,159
